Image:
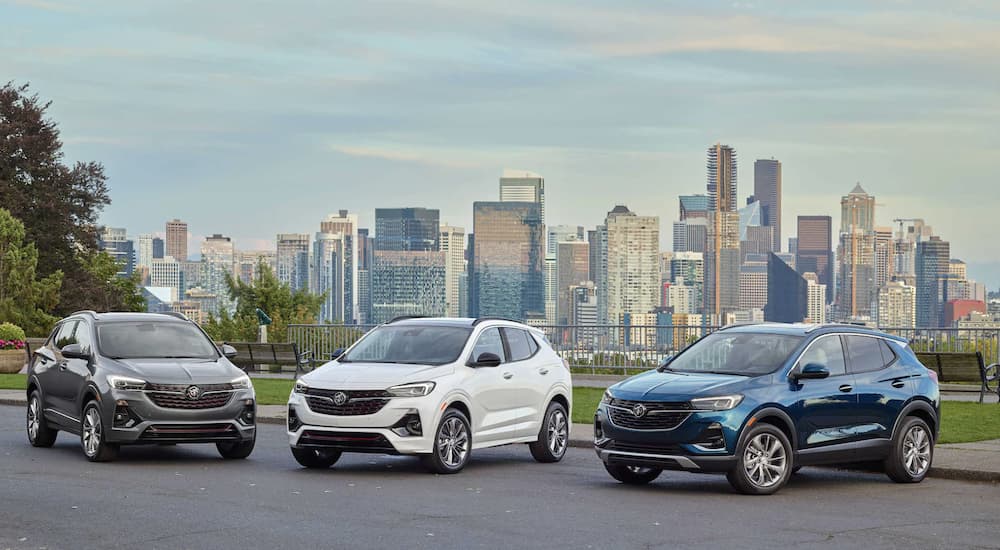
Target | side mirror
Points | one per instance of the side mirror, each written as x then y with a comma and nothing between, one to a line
487,360
45,353
812,371
229,351
666,360
336,354
74,351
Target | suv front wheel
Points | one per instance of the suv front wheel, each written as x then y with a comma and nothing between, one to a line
92,435
633,475
764,461
452,444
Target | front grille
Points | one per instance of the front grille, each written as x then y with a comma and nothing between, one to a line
347,441
174,396
359,402
188,432
659,415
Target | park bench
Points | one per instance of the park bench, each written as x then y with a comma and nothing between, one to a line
251,356
963,367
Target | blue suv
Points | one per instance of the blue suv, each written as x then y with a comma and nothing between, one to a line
759,402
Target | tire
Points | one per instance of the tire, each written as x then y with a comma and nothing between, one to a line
236,450
452,444
39,432
92,435
912,452
553,436
316,458
632,475
763,461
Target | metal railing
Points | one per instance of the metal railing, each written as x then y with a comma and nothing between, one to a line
619,349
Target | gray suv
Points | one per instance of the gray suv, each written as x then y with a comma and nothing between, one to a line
138,378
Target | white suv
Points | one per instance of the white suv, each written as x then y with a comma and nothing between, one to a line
437,388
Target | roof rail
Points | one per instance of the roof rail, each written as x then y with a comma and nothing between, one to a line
482,319
90,312
828,325
405,317
176,314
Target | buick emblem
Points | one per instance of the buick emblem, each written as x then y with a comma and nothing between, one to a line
639,410
193,393
339,398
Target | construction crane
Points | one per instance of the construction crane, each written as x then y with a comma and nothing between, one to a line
901,221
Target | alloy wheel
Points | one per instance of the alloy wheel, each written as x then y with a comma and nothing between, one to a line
453,442
91,431
34,422
764,460
916,451
558,432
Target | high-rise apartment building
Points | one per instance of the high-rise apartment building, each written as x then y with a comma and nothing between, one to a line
166,272
633,264
250,262
885,254
177,240
453,247
555,235
767,190
897,305
507,269
721,167
932,265
335,267
407,229
753,285
292,260
144,250
573,269
814,249
815,299
218,259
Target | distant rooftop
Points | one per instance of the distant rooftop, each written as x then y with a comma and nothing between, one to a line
858,190
513,173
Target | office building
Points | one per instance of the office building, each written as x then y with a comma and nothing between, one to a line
250,262
885,254
753,285
722,263
897,305
573,269
115,242
177,240
681,298
407,229
166,273
144,250
452,244
366,262
507,269
815,299
693,206
932,265
159,248
814,249
956,310
523,186
408,282
767,191
218,261
787,293
292,260
334,267
856,295
633,264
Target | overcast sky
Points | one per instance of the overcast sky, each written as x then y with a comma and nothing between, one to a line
250,118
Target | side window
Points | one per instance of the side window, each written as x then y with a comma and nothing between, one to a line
65,336
532,343
888,356
489,342
517,342
826,351
866,356
82,336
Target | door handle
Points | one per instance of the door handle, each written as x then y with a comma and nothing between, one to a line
543,371
508,375
63,365
846,388
898,383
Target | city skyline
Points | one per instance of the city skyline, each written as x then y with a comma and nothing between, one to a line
339,107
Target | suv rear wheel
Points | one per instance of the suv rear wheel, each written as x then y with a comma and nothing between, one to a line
39,432
912,452
632,475
764,461
92,435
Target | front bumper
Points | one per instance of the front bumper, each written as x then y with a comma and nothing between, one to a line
369,433
133,418
683,447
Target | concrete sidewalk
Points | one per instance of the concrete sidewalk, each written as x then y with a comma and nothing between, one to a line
979,461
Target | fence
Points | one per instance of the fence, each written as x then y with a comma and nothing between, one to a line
617,349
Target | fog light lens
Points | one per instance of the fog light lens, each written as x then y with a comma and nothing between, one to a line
124,416
713,438
409,425
293,420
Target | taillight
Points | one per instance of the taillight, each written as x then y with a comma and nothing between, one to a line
565,363
933,375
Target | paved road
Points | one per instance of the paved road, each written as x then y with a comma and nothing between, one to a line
186,497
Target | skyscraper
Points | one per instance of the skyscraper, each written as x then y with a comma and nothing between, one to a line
721,178
814,249
815,298
407,229
366,263
177,240
555,235
787,293
767,190
114,241
573,269
453,246
897,305
885,249
217,260
144,250
932,261
523,186
335,267
856,295
159,248
292,259
506,273
693,206
408,282
633,264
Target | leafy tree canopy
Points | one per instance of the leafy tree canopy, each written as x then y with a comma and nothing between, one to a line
25,299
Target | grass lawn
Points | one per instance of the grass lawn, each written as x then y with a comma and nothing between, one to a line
962,422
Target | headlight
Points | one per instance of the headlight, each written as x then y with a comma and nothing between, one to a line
301,387
607,397
419,389
126,383
241,383
723,403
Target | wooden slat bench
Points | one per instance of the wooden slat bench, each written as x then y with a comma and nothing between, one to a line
252,355
963,367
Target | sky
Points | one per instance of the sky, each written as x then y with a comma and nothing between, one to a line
250,118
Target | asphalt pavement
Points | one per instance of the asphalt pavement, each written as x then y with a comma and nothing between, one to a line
187,497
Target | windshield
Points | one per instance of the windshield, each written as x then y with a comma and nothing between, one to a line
413,344
154,340
742,353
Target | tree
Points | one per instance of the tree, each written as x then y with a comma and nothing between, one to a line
278,300
25,300
58,204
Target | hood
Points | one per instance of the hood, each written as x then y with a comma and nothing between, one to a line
180,371
372,376
677,386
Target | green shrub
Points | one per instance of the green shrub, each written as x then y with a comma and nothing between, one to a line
10,331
